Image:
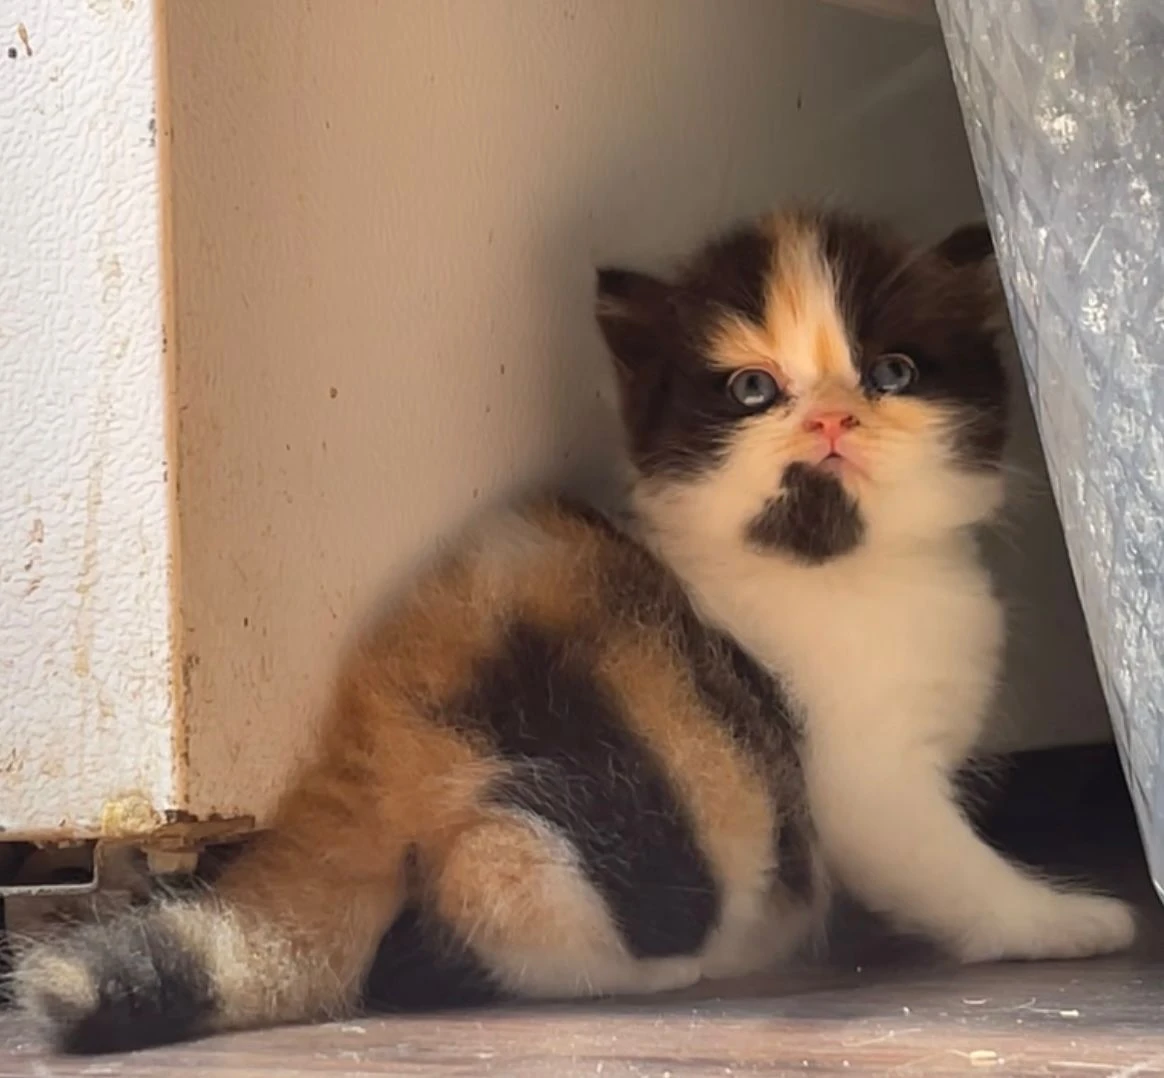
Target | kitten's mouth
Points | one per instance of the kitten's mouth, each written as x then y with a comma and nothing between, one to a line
835,463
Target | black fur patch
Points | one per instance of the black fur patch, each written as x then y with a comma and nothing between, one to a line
421,965
579,767
815,519
676,410
731,273
151,991
794,843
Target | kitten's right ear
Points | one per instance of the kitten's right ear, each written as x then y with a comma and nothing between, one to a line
634,312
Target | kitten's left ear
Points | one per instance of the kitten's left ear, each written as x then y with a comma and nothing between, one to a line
970,250
970,245
634,312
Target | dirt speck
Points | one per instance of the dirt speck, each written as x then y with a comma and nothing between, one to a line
112,276
22,33
12,54
37,533
333,392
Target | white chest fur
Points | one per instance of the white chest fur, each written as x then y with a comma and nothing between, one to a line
877,649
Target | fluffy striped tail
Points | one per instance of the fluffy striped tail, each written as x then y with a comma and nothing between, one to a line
133,983
273,948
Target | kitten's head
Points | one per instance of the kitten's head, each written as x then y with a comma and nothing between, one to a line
810,384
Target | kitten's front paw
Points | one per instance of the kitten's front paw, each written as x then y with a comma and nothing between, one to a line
1060,926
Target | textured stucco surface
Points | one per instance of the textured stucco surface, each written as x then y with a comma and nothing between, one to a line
385,228
85,702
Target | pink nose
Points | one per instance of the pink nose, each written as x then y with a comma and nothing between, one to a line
831,424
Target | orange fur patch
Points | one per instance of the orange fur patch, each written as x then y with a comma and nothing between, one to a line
802,340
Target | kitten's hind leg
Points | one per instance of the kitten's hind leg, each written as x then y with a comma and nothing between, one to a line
511,889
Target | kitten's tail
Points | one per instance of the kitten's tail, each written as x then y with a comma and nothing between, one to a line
290,950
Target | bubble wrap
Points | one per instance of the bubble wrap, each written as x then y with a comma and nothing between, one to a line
1064,107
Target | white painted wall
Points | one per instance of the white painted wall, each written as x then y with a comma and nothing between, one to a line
385,222
86,709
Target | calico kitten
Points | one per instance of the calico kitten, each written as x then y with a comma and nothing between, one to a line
576,762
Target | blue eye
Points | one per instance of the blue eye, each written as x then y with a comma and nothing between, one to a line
891,373
753,389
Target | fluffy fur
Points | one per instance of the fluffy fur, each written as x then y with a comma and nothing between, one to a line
576,762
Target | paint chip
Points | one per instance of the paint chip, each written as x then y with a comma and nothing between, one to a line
983,1057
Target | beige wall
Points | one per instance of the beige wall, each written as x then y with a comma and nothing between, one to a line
386,217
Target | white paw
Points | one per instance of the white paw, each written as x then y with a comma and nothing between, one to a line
1061,925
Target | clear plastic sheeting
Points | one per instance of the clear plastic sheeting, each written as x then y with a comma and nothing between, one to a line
1063,107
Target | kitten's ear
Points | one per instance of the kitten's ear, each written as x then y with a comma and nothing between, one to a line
634,312
970,250
970,245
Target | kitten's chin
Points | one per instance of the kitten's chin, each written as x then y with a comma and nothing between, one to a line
840,465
